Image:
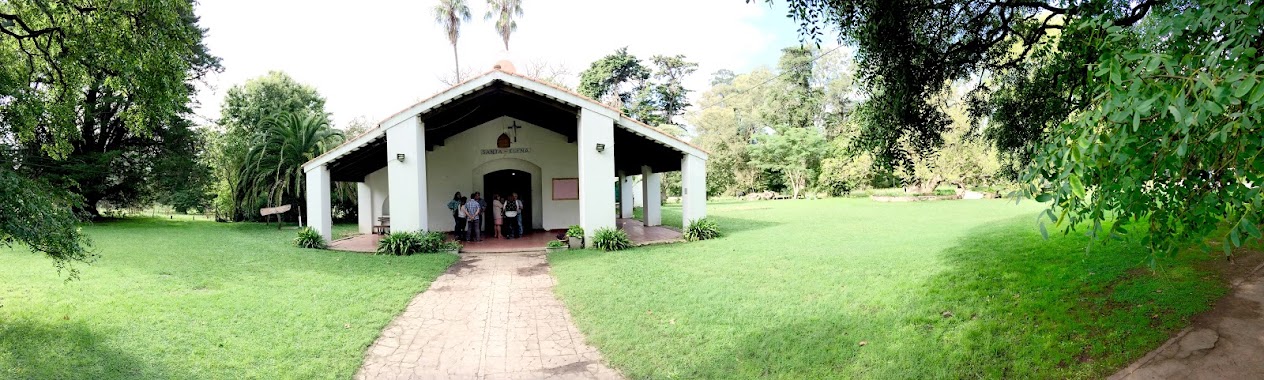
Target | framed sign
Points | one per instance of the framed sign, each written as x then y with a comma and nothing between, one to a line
565,189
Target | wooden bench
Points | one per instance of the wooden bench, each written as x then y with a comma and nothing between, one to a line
383,226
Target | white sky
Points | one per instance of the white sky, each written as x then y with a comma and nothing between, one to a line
372,58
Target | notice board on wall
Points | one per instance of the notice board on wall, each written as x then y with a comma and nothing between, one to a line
565,189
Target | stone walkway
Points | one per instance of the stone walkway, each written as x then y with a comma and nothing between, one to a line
1225,343
491,316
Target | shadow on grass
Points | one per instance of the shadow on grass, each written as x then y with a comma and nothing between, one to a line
69,350
1007,304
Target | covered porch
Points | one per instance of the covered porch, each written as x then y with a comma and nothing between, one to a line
534,241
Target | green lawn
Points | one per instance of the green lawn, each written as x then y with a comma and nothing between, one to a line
851,288
185,299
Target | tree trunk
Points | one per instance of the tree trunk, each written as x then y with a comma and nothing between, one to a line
456,60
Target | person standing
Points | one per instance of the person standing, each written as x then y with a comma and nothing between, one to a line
454,205
472,211
484,213
498,215
518,208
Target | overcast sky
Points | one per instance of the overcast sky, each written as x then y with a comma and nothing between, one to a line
372,58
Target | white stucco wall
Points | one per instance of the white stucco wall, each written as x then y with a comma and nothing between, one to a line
459,165
379,187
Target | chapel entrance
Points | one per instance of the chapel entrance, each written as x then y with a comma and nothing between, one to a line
509,181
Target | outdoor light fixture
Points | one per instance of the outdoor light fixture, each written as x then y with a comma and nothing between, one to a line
601,147
400,157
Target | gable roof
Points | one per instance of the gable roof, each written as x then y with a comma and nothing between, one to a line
489,78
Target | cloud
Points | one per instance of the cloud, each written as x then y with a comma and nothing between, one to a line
374,58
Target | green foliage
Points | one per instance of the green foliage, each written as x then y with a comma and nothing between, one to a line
406,243
702,229
504,12
449,14
249,107
841,174
271,170
41,217
88,95
795,153
654,95
556,244
611,239
575,231
248,112
309,238
1172,140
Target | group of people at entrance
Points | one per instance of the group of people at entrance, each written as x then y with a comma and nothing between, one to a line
471,216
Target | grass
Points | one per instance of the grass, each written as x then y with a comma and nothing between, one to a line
186,299
851,288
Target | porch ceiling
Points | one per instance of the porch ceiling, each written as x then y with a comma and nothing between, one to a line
365,159
633,150
496,100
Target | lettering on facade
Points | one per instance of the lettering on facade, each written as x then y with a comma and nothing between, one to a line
505,151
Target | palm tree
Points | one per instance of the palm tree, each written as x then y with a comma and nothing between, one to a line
504,12
449,14
270,174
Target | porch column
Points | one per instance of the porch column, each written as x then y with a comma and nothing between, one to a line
652,197
596,172
693,188
364,206
319,207
627,193
407,177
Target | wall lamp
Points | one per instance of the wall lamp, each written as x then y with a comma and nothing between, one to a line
601,147
400,157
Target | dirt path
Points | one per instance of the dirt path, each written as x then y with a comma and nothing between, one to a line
1225,343
491,316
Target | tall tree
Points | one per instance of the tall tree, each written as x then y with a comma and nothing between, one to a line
669,92
504,12
450,14
652,94
795,153
271,169
1124,111
615,79
71,71
245,114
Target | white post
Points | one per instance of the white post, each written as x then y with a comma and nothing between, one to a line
364,206
693,188
407,177
652,196
319,206
596,172
627,193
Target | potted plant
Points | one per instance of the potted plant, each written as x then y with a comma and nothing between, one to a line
555,245
450,247
575,236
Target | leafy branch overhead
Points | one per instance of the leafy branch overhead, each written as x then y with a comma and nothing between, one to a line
94,106
1115,111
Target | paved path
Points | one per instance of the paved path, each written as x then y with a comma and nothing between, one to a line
491,316
1225,343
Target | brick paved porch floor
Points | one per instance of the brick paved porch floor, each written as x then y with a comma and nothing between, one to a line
491,316
532,242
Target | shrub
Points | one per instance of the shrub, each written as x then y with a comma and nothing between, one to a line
575,231
702,229
449,246
556,244
611,239
310,238
407,243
